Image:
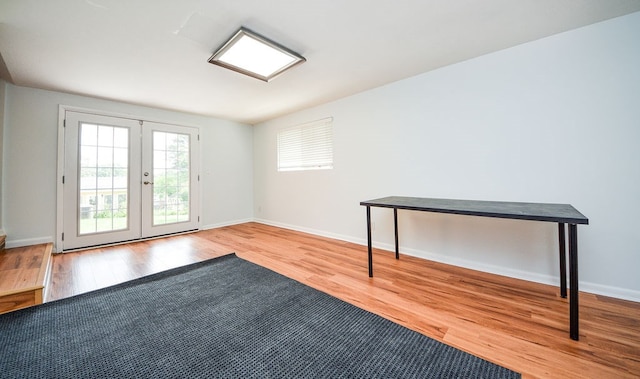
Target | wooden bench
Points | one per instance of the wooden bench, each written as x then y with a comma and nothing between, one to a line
24,274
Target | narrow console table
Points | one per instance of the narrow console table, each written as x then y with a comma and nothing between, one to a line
558,213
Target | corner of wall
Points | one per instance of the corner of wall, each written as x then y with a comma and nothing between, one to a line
3,118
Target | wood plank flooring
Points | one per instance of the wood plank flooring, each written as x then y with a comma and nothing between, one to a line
516,324
23,275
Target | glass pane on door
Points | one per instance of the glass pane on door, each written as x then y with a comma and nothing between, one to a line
104,178
171,177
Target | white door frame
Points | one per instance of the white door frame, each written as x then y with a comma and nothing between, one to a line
62,109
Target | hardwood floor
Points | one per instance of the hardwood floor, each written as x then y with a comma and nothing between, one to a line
516,324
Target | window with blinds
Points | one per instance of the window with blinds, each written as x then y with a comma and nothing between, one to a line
306,147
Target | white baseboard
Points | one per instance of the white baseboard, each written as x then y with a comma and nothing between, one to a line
28,241
617,292
316,232
226,223
594,288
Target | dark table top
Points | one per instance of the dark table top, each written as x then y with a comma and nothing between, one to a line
561,213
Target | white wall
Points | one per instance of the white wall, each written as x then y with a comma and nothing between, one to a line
30,155
3,90
556,120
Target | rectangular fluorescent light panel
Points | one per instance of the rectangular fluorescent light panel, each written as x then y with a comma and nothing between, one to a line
254,55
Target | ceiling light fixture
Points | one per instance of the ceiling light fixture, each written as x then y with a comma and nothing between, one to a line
254,55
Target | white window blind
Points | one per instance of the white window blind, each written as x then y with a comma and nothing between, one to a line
306,147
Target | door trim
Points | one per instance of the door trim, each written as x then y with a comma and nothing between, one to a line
62,109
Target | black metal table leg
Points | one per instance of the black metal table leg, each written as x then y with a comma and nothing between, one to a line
563,260
573,278
395,225
369,249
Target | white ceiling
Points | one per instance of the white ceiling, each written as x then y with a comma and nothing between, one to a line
154,52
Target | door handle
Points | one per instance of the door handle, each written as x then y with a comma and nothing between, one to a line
146,182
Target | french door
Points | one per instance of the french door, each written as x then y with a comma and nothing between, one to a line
127,179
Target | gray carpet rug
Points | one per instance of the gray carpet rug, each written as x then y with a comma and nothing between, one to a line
224,318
